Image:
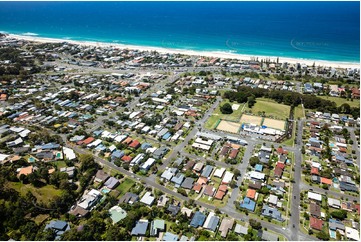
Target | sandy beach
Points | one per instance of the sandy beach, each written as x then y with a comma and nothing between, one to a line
187,52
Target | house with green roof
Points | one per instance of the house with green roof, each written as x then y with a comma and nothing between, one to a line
157,226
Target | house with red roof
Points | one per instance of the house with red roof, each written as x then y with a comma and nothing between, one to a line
316,223
135,144
223,188
233,154
355,92
281,151
219,195
278,172
326,181
127,141
197,187
86,141
281,165
251,193
314,171
127,158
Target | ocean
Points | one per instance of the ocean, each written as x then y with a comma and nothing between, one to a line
328,31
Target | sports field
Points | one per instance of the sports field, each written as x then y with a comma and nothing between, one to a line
228,126
273,123
249,119
270,108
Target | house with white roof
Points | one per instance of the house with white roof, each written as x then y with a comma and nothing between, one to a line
228,176
352,234
147,199
219,172
315,196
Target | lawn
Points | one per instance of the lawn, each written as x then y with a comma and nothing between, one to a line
217,114
298,112
339,101
60,164
44,194
124,186
270,108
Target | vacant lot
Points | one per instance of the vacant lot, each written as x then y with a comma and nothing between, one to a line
249,119
229,126
271,109
273,123
44,194
124,186
339,101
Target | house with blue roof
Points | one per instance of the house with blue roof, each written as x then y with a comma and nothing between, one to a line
198,219
97,132
207,171
272,212
50,146
248,204
140,228
145,146
258,168
168,236
178,179
59,227
167,136
211,222
117,154
101,147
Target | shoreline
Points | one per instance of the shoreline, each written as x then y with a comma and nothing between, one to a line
163,50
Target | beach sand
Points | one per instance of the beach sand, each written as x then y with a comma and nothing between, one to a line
224,55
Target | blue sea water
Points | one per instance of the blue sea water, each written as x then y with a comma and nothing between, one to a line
310,30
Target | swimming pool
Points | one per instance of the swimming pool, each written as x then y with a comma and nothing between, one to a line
105,190
31,159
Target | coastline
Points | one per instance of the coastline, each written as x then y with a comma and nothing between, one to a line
163,50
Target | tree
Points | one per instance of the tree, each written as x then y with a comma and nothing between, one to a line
226,109
87,162
339,214
322,235
251,101
236,173
135,168
182,192
254,224
254,161
233,184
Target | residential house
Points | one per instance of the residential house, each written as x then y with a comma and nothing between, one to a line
226,225
316,223
267,236
248,204
111,183
130,198
101,176
188,183
271,212
168,236
209,190
198,219
239,229
315,210
147,199
173,210
156,226
140,228
59,227
211,222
